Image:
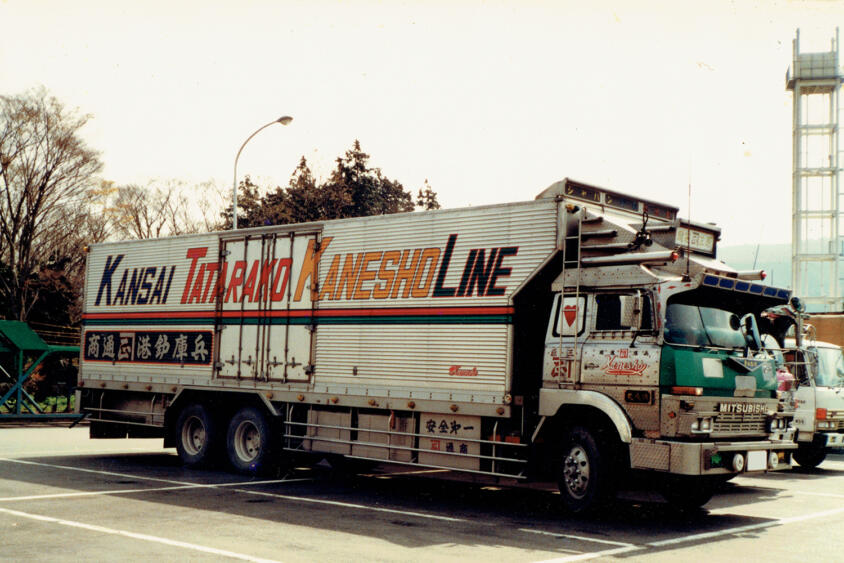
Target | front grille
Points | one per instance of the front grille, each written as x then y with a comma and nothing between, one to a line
737,423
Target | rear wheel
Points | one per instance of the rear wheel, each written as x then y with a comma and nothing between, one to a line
583,471
809,455
249,441
196,436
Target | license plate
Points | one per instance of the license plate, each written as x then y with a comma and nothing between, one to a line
757,461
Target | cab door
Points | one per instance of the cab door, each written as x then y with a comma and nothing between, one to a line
621,349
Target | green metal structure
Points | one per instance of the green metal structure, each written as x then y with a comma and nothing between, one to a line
21,352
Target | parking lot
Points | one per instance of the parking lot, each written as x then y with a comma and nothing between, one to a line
64,497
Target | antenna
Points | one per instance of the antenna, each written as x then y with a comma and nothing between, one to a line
686,276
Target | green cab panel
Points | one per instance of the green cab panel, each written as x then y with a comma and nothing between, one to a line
715,371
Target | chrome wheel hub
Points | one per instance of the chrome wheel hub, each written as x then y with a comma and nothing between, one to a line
576,472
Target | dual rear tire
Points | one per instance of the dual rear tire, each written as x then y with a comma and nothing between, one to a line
197,436
248,441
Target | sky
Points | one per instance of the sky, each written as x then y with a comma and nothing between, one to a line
490,101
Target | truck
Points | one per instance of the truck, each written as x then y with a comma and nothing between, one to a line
813,389
819,403
576,340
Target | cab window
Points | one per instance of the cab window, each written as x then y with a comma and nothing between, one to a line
613,311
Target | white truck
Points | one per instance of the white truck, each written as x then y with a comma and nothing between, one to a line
572,339
819,404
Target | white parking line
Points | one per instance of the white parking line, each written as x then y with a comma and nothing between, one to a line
152,490
145,478
96,471
246,491
626,548
360,507
93,493
740,529
623,547
593,555
829,495
133,535
77,452
578,538
416,472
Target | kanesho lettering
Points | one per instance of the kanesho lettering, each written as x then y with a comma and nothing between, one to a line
417,273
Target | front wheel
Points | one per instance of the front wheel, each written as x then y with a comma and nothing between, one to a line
249,442
196,436
809,455
583,472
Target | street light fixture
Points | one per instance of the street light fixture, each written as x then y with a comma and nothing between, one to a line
284,120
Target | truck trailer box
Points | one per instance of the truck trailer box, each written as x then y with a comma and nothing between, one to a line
412,306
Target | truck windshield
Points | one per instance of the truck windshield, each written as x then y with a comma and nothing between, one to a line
701,326
830,367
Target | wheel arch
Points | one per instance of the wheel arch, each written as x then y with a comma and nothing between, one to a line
567,407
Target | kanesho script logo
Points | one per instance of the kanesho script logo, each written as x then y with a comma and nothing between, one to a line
619,364
460,371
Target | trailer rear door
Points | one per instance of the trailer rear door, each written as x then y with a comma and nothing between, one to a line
265,324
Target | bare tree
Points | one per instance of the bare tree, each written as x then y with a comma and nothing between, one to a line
140,212
207,199
45,171
162,208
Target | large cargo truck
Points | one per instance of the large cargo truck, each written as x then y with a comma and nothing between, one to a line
572,339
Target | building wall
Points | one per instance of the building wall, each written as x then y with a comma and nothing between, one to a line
829,327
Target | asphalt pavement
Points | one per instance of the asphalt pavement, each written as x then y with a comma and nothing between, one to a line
65,497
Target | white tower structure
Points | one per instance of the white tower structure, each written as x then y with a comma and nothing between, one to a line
817,240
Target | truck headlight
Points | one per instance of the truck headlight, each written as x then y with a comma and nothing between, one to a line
702,425
777,424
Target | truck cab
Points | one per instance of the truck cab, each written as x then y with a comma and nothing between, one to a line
819,402
667,347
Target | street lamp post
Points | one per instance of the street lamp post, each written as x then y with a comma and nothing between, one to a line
284,120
